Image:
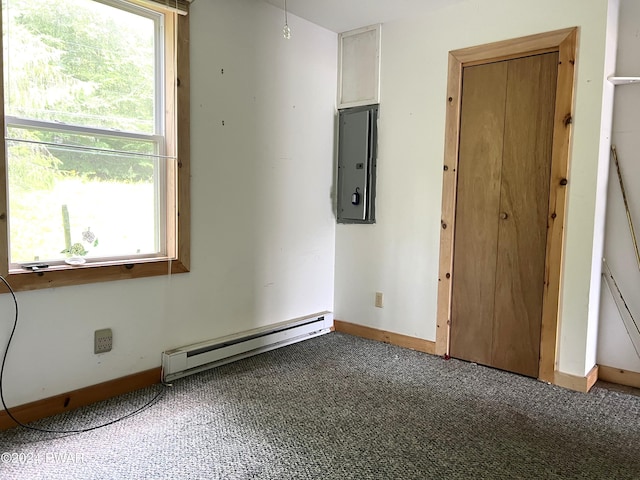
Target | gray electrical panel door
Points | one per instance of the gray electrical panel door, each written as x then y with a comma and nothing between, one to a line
357,138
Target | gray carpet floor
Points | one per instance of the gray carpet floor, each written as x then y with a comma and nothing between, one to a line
341,407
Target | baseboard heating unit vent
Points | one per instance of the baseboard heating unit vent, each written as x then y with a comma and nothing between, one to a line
184,361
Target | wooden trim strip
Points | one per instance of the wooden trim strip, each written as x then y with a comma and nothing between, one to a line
449,191
184,143
65,276
561,152
573,382
78,398
397,339
619,376
592,377
513,48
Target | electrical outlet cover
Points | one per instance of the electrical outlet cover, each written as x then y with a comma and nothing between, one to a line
103,341
379,300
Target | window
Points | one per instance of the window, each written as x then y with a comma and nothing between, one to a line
96,168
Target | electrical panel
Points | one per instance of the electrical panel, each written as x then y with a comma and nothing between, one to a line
357,148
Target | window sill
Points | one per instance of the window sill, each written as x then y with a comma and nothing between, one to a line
92,272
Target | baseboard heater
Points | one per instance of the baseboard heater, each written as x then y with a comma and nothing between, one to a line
184,361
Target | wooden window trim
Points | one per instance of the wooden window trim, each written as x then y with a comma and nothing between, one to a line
565,43
178,192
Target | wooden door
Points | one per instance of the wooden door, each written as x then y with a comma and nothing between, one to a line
502,203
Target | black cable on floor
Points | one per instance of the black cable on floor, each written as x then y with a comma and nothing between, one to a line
46,430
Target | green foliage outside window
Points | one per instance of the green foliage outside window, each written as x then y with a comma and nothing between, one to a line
68,66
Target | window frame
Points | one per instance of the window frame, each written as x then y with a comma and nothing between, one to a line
177,197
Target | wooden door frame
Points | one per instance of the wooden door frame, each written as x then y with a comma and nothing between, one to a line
565,43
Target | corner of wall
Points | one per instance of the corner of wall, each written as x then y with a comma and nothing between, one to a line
602,182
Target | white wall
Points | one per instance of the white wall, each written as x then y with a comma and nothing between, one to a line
614,345
262,223
399,255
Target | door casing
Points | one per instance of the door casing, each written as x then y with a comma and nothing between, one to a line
565,43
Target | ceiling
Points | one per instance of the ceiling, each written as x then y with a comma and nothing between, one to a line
344,15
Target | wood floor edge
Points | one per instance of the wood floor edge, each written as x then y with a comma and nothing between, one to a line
619,376
65,402
391,338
